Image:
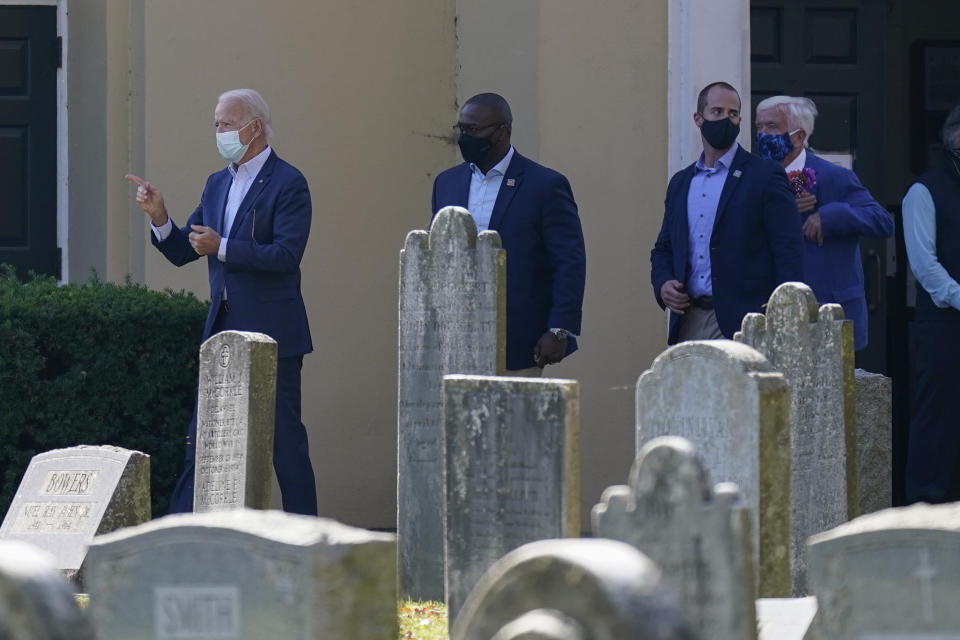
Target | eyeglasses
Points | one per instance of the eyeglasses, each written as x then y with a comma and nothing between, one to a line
472,130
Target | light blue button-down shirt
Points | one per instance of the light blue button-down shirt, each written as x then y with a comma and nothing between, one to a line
484,190
920,238
702,202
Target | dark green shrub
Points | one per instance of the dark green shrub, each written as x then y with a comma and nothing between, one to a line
95,363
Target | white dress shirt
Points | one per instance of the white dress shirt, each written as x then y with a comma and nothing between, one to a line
484,189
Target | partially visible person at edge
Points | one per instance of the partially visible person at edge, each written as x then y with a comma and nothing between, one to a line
730,231
251,225
533,210
835,208
931,232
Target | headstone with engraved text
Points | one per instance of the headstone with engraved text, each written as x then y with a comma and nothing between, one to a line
452,320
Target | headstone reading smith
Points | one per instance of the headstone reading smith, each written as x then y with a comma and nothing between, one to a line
452,320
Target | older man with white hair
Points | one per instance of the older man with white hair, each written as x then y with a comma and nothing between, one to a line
835,208
252,225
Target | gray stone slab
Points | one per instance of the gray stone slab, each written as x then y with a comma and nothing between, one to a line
235,414
67,496
35,602
699,536
245,574
874,441
890,574
785,618
590,589
813,348
512,471
727,400
452,320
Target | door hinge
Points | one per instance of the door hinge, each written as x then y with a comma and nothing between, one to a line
59,52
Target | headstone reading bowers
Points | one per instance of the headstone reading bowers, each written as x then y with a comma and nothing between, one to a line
698,536
579,589
813,348
891,575
67,496
235,415
452,320
35,602
245,574
874,440
727,400
512,471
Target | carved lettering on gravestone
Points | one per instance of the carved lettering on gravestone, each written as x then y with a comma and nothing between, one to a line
813,348
235,416
452,320
698,536
512,470
727,400
69,495
209,611
890,574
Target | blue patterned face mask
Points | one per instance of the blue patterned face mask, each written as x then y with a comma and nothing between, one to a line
775,146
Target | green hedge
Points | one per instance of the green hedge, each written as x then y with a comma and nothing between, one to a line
95,363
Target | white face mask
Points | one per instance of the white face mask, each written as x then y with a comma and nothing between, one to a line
229,145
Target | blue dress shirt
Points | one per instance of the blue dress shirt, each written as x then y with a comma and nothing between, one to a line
703,199
920,237
484,190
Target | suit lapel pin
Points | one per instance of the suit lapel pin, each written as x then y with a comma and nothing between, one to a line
511,182
737,173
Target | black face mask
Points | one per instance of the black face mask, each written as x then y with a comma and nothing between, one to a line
474,149
720,134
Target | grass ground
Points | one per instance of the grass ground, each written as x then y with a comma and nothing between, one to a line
423,621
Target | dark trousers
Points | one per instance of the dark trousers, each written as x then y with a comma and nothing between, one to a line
291,453
933,452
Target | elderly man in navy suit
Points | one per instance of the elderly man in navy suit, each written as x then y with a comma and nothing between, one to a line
251,225
834,207
532,209
730,230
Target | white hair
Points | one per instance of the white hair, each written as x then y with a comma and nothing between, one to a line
800,113
253,105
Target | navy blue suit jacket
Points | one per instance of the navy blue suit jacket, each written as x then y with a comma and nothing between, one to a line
264,248
537,220
757,242
847,211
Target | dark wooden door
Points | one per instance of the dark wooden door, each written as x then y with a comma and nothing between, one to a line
831,52
29,55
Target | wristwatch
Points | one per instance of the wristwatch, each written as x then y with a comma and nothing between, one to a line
560,333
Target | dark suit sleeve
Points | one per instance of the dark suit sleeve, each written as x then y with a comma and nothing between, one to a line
855,212
661,257
176,247
563,239
291,227
782,224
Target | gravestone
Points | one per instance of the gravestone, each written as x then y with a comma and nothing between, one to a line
813,348
452,320
698,536
874,441
785,618
727,400
235,414
894,574
578,589
512,471
67,496
245,574
35,602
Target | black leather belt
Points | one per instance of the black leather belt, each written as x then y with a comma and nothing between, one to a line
703,302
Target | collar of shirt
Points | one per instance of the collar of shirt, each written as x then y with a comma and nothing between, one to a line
798,163
726,159
498,169
251,167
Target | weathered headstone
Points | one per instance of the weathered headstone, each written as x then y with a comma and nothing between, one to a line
452,320
813,348
235,415
67,496
874,441
572,590
785,618
727,400
245,574
512,471
894,574
35,602
698,536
